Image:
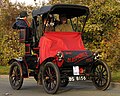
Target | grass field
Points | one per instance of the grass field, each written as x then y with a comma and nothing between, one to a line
4,70
116,76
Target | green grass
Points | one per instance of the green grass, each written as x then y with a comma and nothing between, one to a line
116,76
4,70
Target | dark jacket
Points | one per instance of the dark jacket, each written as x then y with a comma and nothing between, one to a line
19,24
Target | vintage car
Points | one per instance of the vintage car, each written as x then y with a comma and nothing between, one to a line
56,58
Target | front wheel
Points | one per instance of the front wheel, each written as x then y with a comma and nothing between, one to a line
15,76
101,75
50,78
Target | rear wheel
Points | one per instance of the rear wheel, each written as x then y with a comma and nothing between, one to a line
50,78
15,76
102,75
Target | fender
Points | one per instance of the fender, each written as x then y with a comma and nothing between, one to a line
50,59
22,64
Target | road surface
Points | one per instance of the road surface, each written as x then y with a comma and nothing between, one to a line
82,88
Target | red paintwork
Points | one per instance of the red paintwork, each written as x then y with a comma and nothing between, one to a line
52,42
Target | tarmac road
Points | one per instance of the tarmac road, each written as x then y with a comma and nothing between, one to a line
81,88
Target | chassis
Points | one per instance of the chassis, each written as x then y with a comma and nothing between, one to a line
57,57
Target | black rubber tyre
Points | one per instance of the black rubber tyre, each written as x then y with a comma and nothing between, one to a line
36,77
15,76
50,78
101,75
64,82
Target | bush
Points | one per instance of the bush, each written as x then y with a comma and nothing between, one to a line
9,43
10,47
102,32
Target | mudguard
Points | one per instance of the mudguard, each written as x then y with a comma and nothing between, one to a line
22,64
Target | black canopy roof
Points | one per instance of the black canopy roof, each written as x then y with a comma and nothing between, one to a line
69,9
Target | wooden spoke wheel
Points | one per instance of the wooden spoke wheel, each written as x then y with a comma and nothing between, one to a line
101,75
50,78
15,76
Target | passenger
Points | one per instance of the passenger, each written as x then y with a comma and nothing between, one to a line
64,26
47,23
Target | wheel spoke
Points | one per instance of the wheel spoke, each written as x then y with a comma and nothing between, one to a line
96,79
15,69
97,69
101,82
53,84
104,80
49,86
96,73
13,72
54,76
13,80
15,77
17,82
104,76
102,69
48,71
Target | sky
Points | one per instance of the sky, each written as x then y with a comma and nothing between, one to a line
28,2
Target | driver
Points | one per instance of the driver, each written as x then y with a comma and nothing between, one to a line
64,26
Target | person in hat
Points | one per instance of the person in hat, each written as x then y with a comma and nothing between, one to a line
24,15
64,26
21,21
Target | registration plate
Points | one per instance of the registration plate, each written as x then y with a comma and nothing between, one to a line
76,70
77,78
76,74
